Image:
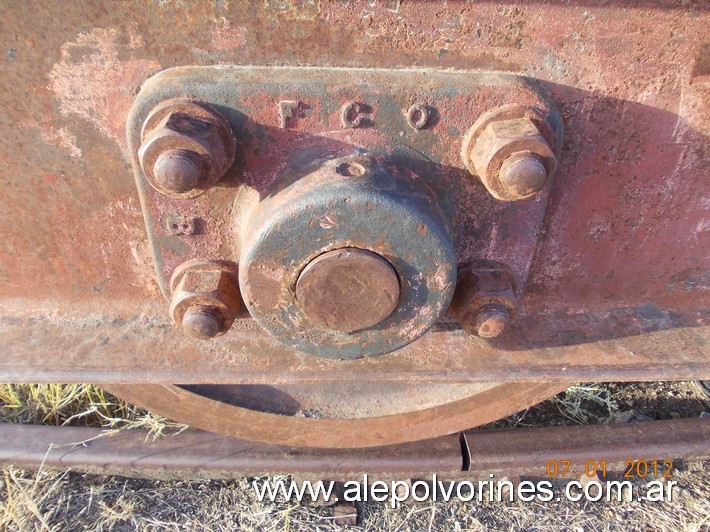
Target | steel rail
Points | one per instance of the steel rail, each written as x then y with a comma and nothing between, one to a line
198,454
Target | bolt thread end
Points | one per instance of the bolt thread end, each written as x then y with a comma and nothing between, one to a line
489,321
202,322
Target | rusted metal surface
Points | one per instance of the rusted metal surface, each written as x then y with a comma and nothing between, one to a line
376,102
348,289
197,454
80,111
490,320
186,148
205,298
399,201
202,322
523,174
177,171
340,399
485,301
527,451
205,412
510,149
616,271
418,115
193,455
41,345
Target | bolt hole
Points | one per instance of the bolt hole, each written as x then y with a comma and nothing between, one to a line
350,169
418,115
174,227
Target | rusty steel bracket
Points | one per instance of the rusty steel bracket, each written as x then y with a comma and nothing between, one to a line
288,122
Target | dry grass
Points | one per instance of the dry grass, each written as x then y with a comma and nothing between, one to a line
55,404
67,501
49,500
76,405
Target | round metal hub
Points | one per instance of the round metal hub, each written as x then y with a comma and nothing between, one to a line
337,415
394,281
348,289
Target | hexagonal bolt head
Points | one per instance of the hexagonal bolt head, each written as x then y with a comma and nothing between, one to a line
185,153
485,301
511,158
205,300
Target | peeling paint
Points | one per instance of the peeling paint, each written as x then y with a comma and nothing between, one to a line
91,82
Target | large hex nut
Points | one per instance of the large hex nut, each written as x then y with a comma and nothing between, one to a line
509,150
205,298
187,147
485,301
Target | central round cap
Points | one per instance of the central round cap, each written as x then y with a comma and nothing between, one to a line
352,259
348,289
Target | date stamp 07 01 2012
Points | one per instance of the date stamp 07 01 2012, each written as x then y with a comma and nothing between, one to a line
632,468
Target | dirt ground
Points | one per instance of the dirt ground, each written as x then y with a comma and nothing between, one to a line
51,500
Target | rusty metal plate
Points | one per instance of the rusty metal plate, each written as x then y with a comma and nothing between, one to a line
618,284
287,198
